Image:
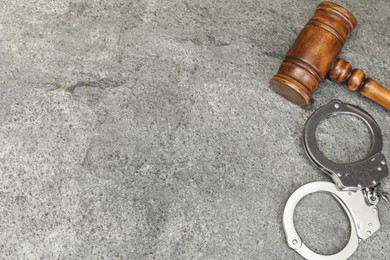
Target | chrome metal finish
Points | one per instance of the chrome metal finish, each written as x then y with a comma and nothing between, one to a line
347,176
371,196
356,185
362,216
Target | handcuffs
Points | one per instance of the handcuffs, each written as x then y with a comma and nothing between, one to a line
356,185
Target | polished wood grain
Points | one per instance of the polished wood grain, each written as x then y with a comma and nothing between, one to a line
313,53
341,71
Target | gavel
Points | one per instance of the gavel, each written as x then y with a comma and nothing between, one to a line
313,56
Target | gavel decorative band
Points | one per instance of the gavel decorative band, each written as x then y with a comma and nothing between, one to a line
313,55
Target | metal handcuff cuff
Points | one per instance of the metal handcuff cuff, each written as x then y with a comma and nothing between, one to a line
355,184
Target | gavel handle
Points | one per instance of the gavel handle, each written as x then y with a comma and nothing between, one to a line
341,71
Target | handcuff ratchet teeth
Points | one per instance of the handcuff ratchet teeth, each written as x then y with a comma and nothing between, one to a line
356,184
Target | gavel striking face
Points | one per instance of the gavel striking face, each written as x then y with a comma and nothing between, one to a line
313,56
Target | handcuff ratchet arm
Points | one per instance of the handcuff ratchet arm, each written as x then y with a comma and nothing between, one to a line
362,216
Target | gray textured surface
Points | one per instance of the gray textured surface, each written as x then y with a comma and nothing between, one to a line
146,129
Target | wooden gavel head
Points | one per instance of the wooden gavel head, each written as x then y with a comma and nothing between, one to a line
313,55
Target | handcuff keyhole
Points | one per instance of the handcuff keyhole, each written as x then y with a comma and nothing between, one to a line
323,231
343,138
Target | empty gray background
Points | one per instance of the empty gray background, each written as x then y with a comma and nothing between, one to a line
147,130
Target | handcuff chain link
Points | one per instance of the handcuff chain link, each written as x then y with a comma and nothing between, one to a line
373,195
385,196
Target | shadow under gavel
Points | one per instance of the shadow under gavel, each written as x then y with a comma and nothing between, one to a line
313,56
